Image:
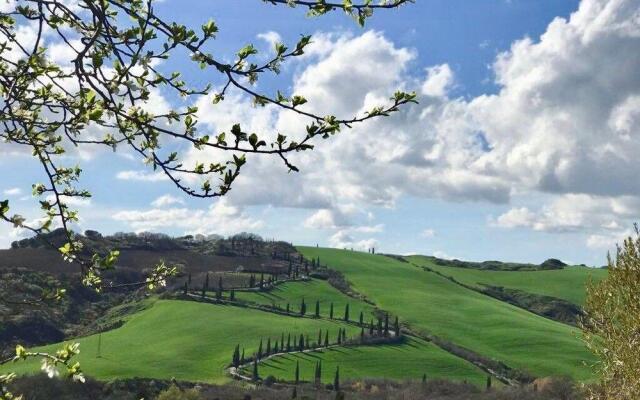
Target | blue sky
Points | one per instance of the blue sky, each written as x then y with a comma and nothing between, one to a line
501,159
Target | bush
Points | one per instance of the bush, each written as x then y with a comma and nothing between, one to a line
175,393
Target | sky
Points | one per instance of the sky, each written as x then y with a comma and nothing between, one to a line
523,147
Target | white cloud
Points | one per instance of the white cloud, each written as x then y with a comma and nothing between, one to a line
136,175
166,200
221,218
439,80
12,192
270,37
343,240
428,233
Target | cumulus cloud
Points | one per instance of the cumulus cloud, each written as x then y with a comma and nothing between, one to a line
137,175
220,217
166,200
12,192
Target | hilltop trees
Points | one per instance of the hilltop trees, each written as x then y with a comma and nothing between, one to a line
346,312
611,323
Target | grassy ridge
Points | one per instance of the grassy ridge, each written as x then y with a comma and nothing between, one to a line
408,360
311,291
567,283
487,326
186,340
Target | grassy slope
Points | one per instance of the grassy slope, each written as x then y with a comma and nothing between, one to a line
434,304
400,361
567,283
294,292
185,340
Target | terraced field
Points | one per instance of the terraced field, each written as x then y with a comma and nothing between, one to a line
431,303
567,283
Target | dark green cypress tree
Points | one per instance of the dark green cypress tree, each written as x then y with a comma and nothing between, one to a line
301,343
336,380
268,352
260,349
297,376
424,378
319,337
339,336
289,343
232,295
371,328
288,308
361,318
362,335
303,307
275,347
379,326
386,324
488,382
346,312
326,338
331,311
235,360
396,327
256,376
317,308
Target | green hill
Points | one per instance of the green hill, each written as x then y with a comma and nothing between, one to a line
311,291
567,283
431,303
184,339
408,360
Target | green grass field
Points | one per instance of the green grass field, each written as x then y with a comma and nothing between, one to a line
312,291
186,340
487,326
408,360
568,283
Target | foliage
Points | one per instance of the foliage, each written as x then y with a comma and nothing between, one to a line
175,393
611,326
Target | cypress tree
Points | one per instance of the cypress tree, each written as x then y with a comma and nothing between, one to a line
255,369
424,378
396,327
319,372
386,324
186,288
260,349
326,338
362,335
317,308
268,347
319,337
289,343
232,295
346,312
339,336
336,380
297,377
262,281
206,283
235,360
219,289
379,326
287,308
331,311
303,307
361,318
488,382
301,343
371,328
275,347
242,357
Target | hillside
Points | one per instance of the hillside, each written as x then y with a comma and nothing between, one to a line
431,304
